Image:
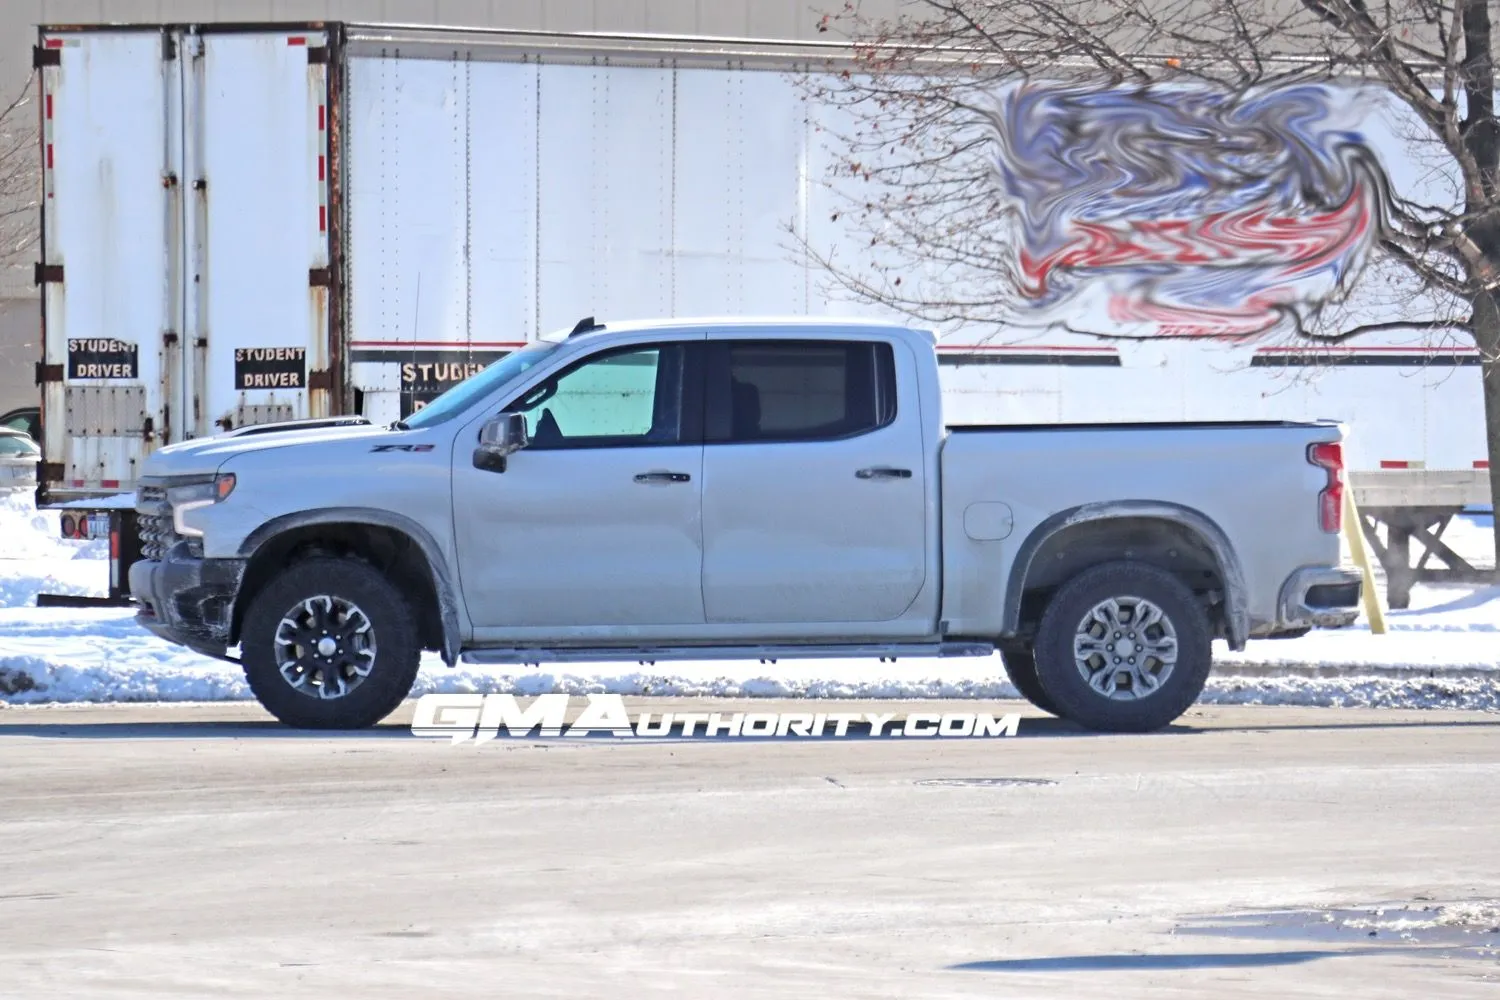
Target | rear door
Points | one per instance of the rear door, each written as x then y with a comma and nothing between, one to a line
186,240
814,488
256,121
109,344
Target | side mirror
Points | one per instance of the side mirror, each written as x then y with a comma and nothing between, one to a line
499,437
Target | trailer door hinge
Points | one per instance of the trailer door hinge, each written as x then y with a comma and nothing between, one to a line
320,378
317,54
41,56
48,373
320,277
43,273
168,46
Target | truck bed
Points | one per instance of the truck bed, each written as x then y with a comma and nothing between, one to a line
1140,426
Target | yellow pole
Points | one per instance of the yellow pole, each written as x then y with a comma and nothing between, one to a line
1354,533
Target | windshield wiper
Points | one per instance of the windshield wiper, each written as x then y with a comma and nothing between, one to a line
400,425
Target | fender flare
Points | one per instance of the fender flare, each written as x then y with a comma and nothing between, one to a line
447,593
1236,598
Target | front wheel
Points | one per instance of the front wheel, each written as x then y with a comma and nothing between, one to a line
1123,647
330,644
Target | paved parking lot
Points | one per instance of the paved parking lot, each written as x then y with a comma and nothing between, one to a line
201,849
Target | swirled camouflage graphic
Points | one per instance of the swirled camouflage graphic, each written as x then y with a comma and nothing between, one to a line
1185,210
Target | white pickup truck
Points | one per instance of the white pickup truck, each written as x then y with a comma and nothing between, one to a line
737,489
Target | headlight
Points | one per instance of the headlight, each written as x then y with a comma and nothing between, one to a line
189,498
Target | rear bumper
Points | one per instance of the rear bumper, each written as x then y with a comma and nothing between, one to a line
1320,597
187,601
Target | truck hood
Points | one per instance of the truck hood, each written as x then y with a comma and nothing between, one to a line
204,456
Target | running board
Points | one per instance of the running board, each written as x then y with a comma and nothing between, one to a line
766,654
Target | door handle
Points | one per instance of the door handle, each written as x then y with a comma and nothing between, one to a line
883,473
663,477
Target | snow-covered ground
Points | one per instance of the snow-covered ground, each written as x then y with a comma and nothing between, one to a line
1443,652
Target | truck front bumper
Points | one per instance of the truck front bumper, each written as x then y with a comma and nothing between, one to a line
1320,597
186,600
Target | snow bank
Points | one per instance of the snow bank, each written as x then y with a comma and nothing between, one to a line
35,558
1443,652
28,533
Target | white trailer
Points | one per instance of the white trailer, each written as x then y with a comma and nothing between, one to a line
255,223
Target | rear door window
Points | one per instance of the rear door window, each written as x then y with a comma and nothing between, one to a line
794,390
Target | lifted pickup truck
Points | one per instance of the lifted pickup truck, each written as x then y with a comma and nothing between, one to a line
737,489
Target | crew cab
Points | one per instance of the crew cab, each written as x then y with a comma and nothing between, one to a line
737,489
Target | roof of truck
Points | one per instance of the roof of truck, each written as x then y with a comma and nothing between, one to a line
817,324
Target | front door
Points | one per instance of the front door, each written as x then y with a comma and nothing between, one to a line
593,531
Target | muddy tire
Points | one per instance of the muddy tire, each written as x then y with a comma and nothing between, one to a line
330,643
1123,647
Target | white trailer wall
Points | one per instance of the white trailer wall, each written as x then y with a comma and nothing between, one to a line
498,191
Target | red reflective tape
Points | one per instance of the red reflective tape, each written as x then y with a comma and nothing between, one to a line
78,482
114,545
296,40
322,218
49,105
320,168
110,484
320,118
1482,463
1386,463
49,156
456,345
53,43
1028,348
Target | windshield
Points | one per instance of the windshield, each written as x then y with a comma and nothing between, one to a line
471,390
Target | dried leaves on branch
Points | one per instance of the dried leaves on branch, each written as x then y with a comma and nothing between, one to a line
1316,169
1140,168
19,179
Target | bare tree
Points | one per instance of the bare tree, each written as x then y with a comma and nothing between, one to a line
19,180
949,118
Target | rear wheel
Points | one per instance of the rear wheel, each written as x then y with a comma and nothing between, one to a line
1020,666
1123,647
330,644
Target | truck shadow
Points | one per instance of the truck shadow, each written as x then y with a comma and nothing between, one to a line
1182,960
271,729
205,730
1030,727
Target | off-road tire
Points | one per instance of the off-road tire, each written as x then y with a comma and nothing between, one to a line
397,651
1065,684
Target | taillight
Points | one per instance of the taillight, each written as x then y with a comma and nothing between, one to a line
1329,456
